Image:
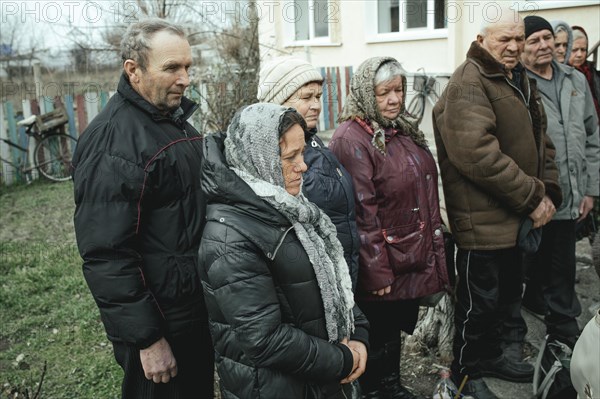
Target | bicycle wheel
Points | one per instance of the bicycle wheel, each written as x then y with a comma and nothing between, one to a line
416,107
53,155
433,97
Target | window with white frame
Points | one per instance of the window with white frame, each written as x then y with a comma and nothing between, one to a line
410,15
311,19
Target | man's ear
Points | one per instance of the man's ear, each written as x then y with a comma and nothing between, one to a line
131,69
479,39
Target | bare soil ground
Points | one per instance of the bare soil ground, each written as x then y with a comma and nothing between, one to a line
420,370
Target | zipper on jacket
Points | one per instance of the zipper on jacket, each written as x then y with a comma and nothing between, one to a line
541,143
280,242
526,101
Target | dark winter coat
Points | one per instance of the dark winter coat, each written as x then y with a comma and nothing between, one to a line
266,314
496,161
328,184
138,218
397,214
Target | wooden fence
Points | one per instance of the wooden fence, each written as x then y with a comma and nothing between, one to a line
335,88
82,108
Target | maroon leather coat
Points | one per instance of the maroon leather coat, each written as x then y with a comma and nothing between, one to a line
397,213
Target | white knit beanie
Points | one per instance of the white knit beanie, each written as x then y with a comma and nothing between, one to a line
281,77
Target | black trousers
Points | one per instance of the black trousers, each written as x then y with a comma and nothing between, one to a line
194,354
387,319
489,287
552,270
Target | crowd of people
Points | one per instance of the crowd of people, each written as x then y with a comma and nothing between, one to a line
291,267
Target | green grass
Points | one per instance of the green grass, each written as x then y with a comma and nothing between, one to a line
47,314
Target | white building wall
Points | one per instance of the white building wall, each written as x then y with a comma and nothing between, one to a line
352,43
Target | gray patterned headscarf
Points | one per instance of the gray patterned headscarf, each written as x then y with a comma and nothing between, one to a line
361,103
252,152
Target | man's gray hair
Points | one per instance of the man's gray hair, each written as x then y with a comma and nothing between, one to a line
505,15
135,43
389,71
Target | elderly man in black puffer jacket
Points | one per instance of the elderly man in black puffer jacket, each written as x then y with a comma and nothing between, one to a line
139,217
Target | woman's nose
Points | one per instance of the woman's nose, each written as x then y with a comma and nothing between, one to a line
302,167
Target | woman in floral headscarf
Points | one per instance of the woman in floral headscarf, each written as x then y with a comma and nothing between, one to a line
277,287
397,212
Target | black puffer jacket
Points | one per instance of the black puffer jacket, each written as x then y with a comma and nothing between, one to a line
138,218
266,314
328,184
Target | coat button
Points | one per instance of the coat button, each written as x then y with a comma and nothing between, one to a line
268,255
437,232
222,220
390,238
428,177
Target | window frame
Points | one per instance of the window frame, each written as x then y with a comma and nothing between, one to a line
372,29
289,27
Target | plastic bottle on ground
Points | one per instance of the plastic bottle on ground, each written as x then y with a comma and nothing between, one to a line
445,388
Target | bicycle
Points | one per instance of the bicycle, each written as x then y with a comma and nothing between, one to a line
54,149
425,87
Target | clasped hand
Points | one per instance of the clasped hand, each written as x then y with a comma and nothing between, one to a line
543,213
359,357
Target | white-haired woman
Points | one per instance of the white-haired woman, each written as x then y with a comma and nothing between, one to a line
402,255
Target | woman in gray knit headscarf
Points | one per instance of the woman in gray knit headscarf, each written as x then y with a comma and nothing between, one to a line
402,255
563,41
277,287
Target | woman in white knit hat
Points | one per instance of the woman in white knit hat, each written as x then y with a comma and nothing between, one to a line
293,82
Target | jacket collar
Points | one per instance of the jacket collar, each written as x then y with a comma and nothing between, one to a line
557,67
124,88
489,67
566,69
309,134
232,202
487,64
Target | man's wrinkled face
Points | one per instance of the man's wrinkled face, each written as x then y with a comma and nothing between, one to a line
539,49
504,42
165,77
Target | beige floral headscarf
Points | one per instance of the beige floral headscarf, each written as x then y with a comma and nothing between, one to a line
361,104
